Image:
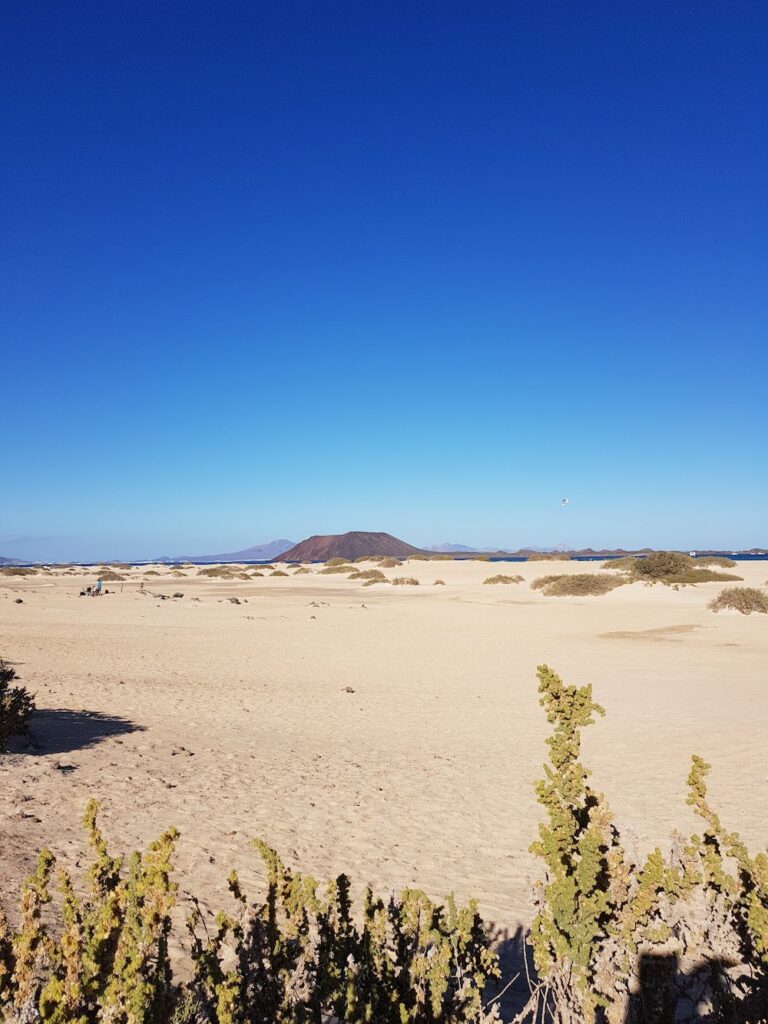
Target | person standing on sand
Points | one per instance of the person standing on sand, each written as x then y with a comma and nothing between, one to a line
98,587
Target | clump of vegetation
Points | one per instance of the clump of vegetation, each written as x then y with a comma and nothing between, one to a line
216,572
672,568
624,563
337,561
377,579
255,575
339,567
479,557
302,569
17,570
153,572
17,706
419,557
405,581
439,583
441,557
111,577
601,916
389,563
500,578
581,584
367,574
299,956
740,599
718,560
278,572
549,556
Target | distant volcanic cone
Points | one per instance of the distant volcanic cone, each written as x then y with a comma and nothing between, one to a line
356,544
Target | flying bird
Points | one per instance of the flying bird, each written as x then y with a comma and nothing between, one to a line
565,501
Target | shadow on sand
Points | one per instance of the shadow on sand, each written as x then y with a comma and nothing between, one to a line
59,731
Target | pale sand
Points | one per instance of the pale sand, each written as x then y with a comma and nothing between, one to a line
424,775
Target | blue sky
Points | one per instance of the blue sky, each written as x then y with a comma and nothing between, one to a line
271,269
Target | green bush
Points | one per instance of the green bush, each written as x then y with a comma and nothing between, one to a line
298,956
302,570
741,599
278,572
582,584
500,578
339,567
16,706
337,561
601,915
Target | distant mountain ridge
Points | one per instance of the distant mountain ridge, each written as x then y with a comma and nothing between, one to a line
447,549
355,544
258,552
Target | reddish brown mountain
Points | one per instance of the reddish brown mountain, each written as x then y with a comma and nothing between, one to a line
348,545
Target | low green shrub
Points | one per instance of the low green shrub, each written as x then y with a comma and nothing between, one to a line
278,572
113,577
389,563
741,599
582,584
340,567
373,582
301,955
337,561
17,705
302,570
500,578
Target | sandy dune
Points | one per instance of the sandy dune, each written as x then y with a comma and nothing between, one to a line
233,721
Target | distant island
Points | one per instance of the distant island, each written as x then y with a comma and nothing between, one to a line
355,544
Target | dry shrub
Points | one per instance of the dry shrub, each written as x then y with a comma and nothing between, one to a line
17,706
112,577
741,599
367,574
440,557
364,558
626,562
337,561
500,578
255,575
673,568
549,556
17,570
580,584
389,563
419,558
278,572
302,570
153,572
372,583
263,566
718,560
405,581
216,572
339,567
439,583
479,557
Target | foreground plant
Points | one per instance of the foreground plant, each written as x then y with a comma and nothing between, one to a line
17,706
601,916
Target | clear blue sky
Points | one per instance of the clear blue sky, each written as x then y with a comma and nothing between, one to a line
278,268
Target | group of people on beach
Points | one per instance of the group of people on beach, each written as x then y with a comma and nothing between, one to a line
92,591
